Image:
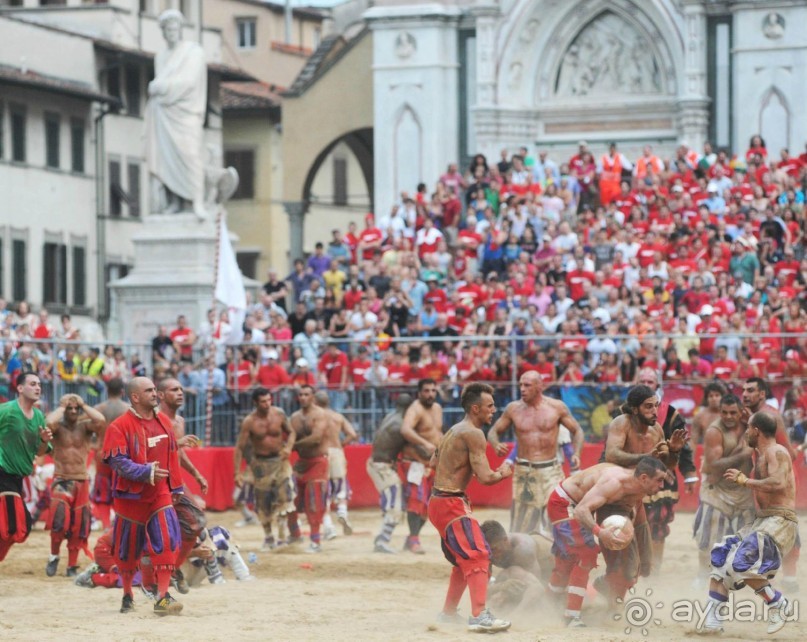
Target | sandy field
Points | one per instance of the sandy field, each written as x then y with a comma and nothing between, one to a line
344,593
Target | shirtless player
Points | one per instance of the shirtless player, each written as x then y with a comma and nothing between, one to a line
101,494
755,393
310,425
724,506
191,518
382,468
70,513
422,429
537,420
571,508
752,556
709,412
266,438
337,465
460,456
631,436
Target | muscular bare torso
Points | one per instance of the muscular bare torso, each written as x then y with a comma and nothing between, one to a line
453,471
523,553
617,484
701,422
536,428
333,429
731,441
784,498
71,445
266,436
428,423
303,422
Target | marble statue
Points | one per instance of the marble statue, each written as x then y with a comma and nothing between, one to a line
175,115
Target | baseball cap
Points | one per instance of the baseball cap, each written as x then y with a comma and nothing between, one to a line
707,310
271,354
302,363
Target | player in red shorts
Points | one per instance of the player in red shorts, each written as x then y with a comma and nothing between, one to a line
571,508
141,448
101,493
461,455
72,424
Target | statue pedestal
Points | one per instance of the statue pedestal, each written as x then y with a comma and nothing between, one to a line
175,258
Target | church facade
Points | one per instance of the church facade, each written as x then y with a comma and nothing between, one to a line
451,79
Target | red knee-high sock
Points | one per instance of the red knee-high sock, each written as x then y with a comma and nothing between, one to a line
559,579
618,584
147,573
73,549
456,587
127,577
184,550
576,591
56,540
478,588
163,580
107,580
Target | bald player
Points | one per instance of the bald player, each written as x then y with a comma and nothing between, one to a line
537,420
422,429
101,494
755,394
266,441
191,518
340,433
382,468
141,448
460,456
310,425
73,424
631,436
572,506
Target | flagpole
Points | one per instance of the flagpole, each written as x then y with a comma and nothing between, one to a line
211,361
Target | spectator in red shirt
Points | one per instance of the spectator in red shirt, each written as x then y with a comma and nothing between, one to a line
708,325
183,339
333,370
369,240
723,367
43,329
696,367
576,278
435,295
359,367
272,375
303,375
431,366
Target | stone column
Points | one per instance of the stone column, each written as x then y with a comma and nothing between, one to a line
415,96
487,14
693,103
295,211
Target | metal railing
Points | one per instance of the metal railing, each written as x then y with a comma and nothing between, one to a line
366,404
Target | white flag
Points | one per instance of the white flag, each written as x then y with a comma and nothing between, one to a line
230,285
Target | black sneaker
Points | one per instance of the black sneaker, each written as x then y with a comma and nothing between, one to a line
167,606
51,567
72,571
127,604
181,582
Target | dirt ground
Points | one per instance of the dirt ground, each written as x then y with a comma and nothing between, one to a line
347,592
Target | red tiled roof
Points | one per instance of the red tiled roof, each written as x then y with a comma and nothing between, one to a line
250,95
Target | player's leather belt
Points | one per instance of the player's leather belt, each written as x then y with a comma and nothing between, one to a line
537,464
383,461
436,492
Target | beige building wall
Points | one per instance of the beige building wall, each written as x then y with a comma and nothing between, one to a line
260,223
349,84
323,216
271,59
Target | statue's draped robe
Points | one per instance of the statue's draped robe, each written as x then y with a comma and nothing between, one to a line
175,121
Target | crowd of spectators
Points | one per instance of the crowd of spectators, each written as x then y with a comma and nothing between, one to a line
582,269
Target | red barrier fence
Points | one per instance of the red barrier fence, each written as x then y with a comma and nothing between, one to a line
216,464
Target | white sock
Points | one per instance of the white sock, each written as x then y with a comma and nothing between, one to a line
52,557
327,521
